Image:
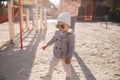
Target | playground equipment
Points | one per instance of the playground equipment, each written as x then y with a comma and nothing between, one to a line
92,10
4,11
36,14
88,14
4,17
105,17
20,8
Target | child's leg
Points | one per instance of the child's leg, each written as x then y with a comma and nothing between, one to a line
53,63
67,69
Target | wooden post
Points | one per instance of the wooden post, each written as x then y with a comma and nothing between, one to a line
27,18
45,19
91,10
11,25
41,19
85,3
36,17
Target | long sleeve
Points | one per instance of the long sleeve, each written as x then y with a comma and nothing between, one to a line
71,45
52,40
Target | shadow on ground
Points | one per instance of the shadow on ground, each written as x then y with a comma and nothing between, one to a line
85,69
16,63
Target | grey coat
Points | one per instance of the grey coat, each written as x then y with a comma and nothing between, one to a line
64,44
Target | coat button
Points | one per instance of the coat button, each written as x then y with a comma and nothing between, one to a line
56,47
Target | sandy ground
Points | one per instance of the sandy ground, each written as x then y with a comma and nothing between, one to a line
97,53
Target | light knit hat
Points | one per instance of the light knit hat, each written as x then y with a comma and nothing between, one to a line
65,18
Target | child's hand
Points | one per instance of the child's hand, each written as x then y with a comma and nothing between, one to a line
67,61
44,47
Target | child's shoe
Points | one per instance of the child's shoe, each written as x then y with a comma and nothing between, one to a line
47,77
68,78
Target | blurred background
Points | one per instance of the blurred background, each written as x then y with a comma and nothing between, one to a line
94,9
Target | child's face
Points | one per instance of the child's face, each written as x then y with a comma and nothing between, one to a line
62,27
